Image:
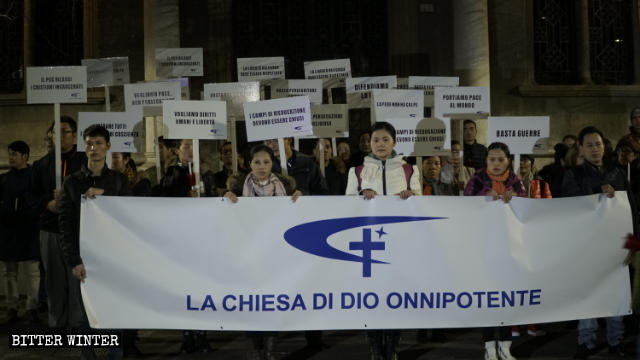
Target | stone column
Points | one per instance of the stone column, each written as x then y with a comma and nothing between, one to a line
584,57
161,30
471,42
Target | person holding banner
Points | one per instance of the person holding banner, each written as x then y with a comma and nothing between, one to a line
496,179
535,187
45,199
94,178
261,181
383,172
594,177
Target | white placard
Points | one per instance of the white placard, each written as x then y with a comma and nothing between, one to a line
120,69
419,137
59,84
99,72
428,83
461,100
279,118
107,71
191,119
329,120
521,133
288,88
263,68
138,96
338,262
359,89
179,62
235,94
327,69
363,84
397,104
126,129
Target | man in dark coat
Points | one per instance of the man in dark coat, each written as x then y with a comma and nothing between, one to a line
305,171
475,154
593,177
44,198
19,244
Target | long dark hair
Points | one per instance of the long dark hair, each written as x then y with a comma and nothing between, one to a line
502,146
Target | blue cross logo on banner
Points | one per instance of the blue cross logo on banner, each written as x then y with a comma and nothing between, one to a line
312,238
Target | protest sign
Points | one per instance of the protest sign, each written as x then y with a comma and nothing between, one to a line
194,119
141,95
125,129
263,68
287,88
327,69
359,89
235,94
279,118
419,137
59,84
397,104
179,62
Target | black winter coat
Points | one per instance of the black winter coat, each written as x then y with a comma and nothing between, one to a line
19,240
75,186
307,173
43,182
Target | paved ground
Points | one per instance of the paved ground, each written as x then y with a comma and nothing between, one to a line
559,343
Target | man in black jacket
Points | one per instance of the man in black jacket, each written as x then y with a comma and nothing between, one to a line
44,198
19,244
308,177
93,178
593,177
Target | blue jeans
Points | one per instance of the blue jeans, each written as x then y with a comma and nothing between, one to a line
587,331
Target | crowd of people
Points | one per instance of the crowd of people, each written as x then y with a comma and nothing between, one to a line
40,222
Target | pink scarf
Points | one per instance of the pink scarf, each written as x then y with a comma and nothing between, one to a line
273,187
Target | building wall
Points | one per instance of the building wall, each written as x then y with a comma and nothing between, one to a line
508,47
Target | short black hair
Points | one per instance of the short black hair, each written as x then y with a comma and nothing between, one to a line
19,146
468,121
570,136
383,125
589,130
499,146
528,157
561,151
69,120
168,143
455,142
96,131
261,148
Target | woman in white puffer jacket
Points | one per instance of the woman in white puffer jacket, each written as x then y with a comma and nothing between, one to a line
383,171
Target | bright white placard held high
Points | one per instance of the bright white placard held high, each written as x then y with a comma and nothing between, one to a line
190,119
523,134
279,118
126,129
59,84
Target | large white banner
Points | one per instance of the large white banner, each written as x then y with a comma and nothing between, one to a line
347,263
